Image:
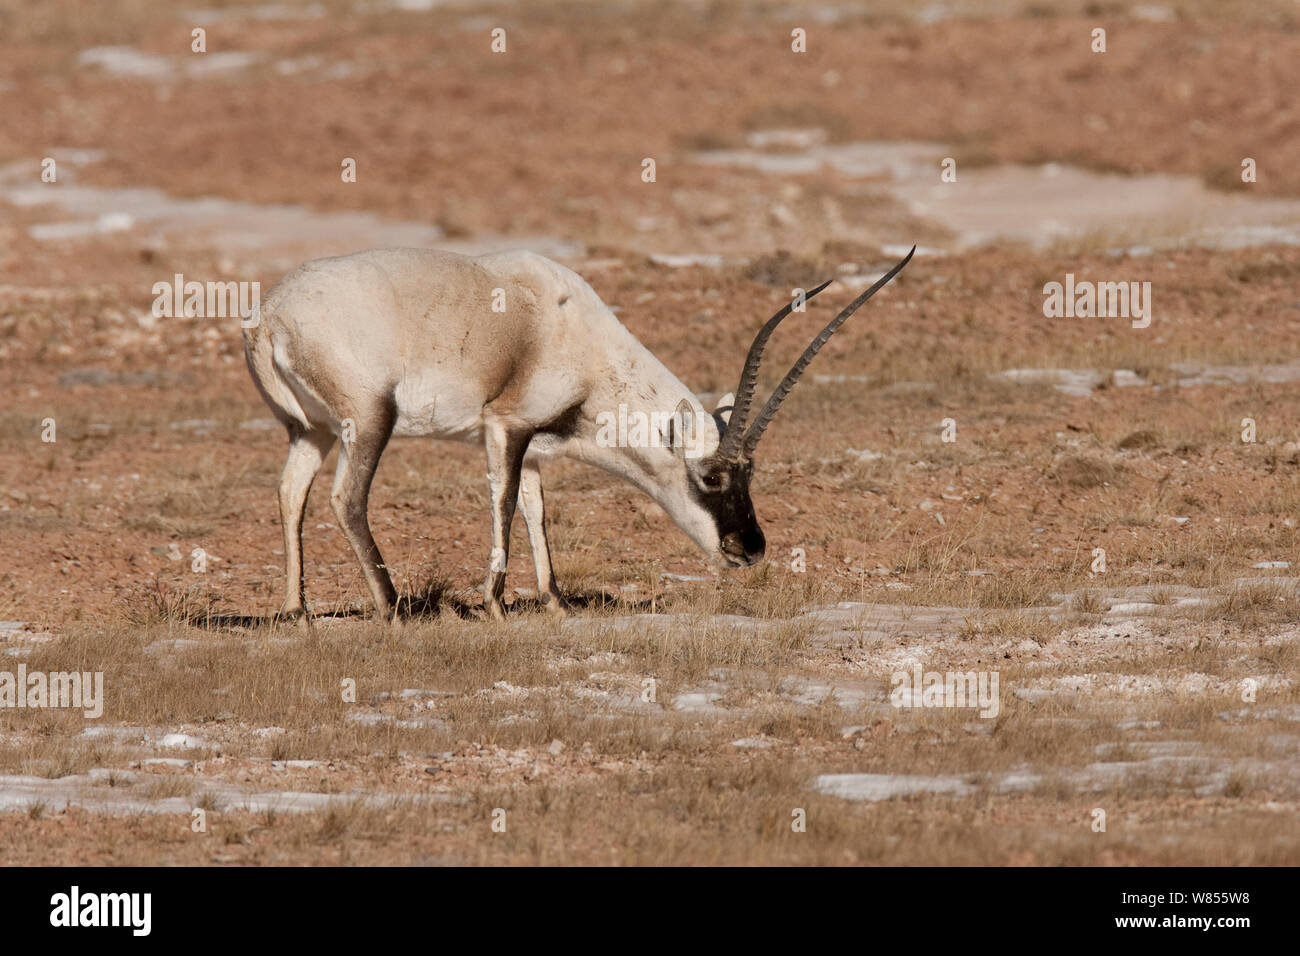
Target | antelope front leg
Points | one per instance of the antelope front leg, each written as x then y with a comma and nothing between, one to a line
505,457
533,505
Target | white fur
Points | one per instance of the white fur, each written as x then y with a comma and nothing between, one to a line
341,339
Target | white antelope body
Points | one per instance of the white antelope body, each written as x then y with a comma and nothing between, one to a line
407,342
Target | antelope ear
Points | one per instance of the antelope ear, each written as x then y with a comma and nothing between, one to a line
722,410
681,429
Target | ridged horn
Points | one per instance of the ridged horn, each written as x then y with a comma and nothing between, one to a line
764,418
732,437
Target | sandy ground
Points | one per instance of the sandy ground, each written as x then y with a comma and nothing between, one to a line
1146,708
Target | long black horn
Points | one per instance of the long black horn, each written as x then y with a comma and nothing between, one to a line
765,416
731,438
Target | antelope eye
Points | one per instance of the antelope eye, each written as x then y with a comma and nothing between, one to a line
713,480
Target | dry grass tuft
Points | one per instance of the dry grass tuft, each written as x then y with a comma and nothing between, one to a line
1083,471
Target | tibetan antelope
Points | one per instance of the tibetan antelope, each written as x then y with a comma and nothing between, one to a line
407,342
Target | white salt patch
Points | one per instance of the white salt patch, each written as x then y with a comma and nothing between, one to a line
820,379
269,11
785,138
1137,607
873,787
707,260
138,735
1036,204
1195,374
1032,695
173,644
1138,724
19,631
1151,748
697,701
224,61
126,61
281,234
1147,685
813,693
1076,382
19,793
863,454
374,719
1153,13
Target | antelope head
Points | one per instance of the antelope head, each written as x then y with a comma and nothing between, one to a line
713,505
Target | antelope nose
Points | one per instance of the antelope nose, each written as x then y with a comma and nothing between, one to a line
747,547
